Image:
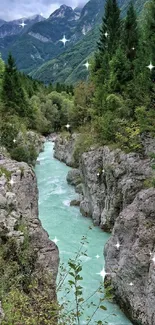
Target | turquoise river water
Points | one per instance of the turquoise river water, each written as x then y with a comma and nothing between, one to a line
68,226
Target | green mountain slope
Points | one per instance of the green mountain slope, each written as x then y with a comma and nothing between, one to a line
37,48
68,67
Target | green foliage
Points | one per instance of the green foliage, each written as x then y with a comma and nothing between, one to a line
85,140
124,101
6,172
128,137
149,182
12,93
22,153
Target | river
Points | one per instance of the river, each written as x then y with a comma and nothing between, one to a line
67,225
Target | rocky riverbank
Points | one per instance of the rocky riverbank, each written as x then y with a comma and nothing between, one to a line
19,220
112,191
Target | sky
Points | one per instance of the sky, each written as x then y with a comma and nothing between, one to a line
15,9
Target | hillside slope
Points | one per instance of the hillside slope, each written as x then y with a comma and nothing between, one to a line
37,47
68,67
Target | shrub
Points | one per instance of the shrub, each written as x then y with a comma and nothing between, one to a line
25,153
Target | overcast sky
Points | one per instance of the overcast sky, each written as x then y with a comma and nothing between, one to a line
15,9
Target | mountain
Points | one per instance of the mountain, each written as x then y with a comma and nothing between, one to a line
14,27
2,22
69,66
38,49
39,41
91,14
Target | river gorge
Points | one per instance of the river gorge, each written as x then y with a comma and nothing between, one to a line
66,225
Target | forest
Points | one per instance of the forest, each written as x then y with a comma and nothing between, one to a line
117,101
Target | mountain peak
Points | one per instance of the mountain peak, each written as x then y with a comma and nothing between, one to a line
65,12
35,17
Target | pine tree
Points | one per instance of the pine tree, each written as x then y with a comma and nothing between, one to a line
120,72
122,65
58,87
107,46
130,33
12,93
108,41
149,49
110,30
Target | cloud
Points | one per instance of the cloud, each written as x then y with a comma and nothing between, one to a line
15,9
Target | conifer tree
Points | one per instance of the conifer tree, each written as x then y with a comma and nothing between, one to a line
149,50
110,30
130,33
122,65
12,92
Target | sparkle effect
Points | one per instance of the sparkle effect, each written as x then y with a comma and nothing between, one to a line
67,126
11,182
117,245
131,284
55,240
150,66
87,64
153,259
97,256
106,34
22,24
14,140
64,40
103,273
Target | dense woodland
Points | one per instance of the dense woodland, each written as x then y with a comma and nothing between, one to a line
117,103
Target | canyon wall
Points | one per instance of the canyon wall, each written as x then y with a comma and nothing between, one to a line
19,211
112,187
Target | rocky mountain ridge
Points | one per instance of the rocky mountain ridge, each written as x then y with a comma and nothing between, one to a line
14,27
37,47
112,191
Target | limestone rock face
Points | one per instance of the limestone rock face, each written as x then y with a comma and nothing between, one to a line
114,196
37,140
132,263
111,180
19,201
64,149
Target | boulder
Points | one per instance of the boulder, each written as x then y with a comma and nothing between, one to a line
75,203
74,177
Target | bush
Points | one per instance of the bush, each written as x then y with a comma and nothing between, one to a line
128,136
27,154
106,127
86,139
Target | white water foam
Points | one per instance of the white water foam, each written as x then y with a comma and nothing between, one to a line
66,203
58,190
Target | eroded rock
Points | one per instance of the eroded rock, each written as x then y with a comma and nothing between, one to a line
134,229
64,149
74,177
111,181
19,205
